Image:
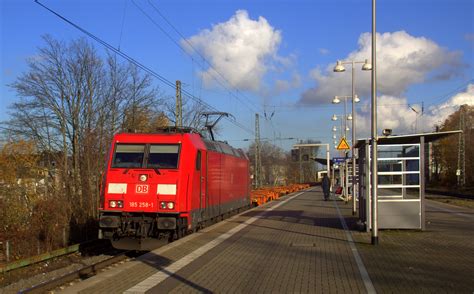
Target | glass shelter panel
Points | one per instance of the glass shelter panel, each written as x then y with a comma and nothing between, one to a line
390,179
390,166
399,193
399,172
398,151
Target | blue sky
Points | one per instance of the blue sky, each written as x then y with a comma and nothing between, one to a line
426,55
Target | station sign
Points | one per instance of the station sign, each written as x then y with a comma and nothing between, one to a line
338,159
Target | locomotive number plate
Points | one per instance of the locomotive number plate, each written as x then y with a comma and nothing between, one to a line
140,204
141,189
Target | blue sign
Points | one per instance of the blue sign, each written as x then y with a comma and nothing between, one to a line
338,159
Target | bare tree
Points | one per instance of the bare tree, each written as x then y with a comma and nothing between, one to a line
274,163
446,151
71,102
191,112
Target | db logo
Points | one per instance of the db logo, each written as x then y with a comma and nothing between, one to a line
142,189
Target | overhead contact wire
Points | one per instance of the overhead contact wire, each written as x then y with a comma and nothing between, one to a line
139,64
250,103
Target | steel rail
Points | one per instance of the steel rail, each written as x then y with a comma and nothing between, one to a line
49,255
83,273
449,193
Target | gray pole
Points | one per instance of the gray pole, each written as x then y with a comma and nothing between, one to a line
301,166
461,167
179,106
375,237
345,117
353,142
342,168
327,159
346,169
258,165
329,167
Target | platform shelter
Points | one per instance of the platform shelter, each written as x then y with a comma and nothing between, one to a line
401,163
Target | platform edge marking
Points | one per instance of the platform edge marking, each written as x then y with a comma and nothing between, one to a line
363,271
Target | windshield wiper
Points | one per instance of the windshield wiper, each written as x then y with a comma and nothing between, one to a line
157,171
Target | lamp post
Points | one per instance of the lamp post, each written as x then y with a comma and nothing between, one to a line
344,129
334,129
373,134
355,99
340,68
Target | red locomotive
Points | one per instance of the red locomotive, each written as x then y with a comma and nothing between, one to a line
163,185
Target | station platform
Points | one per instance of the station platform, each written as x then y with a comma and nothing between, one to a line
303,244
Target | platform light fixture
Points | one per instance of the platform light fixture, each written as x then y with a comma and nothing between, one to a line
340,65
340,68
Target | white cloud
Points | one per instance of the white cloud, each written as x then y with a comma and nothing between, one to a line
395,113
439,113
285,85
241,49
402,60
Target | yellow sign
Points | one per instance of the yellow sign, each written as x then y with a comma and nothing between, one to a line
343,145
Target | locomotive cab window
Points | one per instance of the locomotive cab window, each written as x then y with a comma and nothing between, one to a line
163,156
128,156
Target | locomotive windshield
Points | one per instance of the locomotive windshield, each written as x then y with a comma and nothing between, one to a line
129,156
163,156
159,156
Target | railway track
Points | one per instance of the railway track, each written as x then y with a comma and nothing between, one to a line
80,274
450,194
37,270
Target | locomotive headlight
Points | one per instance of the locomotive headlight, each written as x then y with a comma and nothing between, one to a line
143,178
120,204
112,203
167,205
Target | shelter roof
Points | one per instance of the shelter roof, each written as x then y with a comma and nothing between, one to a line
409,139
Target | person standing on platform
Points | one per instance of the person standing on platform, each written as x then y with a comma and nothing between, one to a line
325,185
